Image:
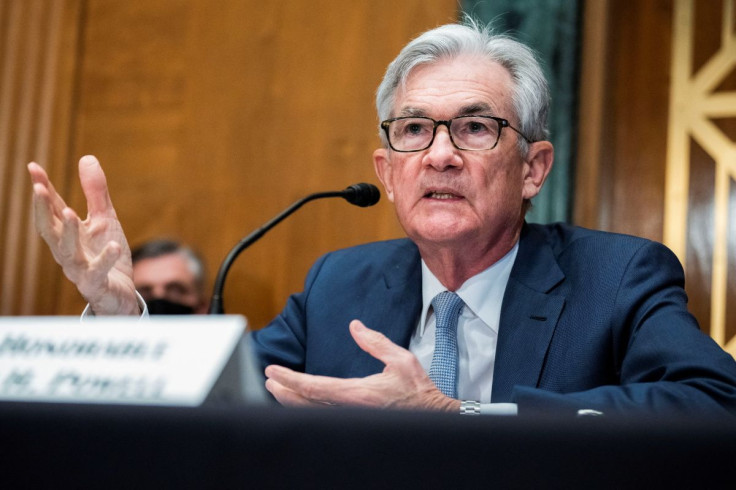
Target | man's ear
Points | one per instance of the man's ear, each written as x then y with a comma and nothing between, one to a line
537,167
384,170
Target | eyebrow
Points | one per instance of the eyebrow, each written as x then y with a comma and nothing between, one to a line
412,112
468,110
476,108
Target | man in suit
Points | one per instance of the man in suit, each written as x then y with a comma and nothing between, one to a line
170,277
476,311
554,317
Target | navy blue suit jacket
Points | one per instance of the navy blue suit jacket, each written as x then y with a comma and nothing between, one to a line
589,320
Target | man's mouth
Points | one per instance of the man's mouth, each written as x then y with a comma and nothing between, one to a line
441,195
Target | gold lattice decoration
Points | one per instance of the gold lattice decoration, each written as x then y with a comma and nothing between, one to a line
693,105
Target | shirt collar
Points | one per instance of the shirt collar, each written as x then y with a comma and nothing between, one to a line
475,292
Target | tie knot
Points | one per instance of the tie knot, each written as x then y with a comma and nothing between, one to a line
447,306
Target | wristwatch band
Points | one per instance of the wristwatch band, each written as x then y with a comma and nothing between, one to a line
469,407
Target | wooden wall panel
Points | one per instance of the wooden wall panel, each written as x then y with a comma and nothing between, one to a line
38,55
636,118
650,106
210,117
701,160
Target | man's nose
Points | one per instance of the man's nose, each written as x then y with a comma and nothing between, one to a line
443,153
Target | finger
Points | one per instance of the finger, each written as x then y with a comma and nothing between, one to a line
102,264
40,180
290,398
71,247
323,390
38,174
44,216
375,343
94,186
286,377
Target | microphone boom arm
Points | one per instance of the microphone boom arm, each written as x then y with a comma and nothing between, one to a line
350,193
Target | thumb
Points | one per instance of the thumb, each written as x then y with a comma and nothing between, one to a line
375,343
94,186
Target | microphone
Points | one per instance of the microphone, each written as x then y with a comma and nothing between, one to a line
361,194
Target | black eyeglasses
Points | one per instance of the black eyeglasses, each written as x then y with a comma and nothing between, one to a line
416,133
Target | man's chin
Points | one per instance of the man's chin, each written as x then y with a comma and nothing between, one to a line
442,234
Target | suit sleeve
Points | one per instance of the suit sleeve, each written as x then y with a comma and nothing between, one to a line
668,366
283,341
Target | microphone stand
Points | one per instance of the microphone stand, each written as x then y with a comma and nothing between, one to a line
216,304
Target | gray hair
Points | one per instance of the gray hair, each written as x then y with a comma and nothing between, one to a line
160,247
530,95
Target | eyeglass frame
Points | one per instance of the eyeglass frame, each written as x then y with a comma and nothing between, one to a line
502,123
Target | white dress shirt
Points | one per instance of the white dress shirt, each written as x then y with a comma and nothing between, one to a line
141,303
477,329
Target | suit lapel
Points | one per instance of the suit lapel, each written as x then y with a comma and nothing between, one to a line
391,306
529,315
395,305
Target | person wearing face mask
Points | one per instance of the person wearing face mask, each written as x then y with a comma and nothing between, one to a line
170,277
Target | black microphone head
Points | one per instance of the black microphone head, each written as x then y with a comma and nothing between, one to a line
362,194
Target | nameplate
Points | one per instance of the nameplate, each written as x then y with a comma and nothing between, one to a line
173,360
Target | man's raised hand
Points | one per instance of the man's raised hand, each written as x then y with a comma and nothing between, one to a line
93,252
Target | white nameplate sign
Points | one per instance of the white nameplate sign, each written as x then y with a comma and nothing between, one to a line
171,360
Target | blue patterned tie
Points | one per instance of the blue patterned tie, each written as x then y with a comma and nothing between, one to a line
443,370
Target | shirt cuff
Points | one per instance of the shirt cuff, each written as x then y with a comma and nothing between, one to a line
87,313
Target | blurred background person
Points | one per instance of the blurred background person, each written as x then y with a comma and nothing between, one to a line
171,277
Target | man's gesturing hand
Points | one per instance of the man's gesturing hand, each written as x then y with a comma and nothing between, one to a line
93,253
402,384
